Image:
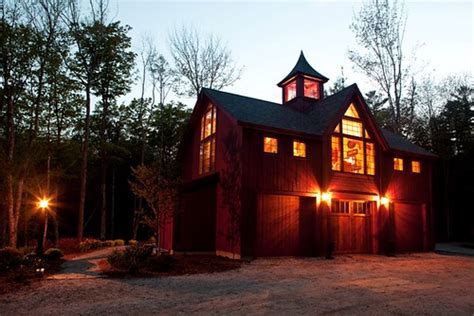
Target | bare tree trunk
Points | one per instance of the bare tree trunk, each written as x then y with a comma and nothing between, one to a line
103,203
112,205
83,180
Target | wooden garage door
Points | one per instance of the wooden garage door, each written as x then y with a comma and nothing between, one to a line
350,225
408,227
284,225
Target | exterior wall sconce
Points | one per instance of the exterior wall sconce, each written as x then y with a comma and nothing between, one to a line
384,201
326,196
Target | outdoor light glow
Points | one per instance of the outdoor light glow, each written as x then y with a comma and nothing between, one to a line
43,203
326,196
384,201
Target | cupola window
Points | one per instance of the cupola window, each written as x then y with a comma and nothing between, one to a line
290,91
311,89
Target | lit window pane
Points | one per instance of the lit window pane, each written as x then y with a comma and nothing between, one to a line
336,153
353,156
352,128
270,145
337,129
398,164
299,149
351,111
290,91
207,150
366,134
415,166
311,89
370,157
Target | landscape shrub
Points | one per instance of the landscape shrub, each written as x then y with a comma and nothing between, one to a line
152,240
109,243
53,254
160,263
132,259
119,242
133,243
26,250
89,244
10,258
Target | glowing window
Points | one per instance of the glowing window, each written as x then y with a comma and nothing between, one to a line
270,145
351,111
207,149
398,164
299,149
336,153
290,91
415,166
311,89
353,155
370,158
366,135
352,128
337,129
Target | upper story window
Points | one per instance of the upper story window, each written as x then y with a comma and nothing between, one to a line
270,145
415,166
207,149
351,148
299,149
290,90
398,164
311,89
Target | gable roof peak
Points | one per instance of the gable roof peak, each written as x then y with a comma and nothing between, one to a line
303,67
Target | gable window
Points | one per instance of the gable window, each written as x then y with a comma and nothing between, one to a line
311,89
299,149
270,145
207,149
290,91
398,164
415,166
351,148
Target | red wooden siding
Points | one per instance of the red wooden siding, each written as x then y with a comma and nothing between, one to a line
408,227
285,225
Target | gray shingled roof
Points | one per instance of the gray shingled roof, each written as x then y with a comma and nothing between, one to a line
314,121
397,142
270,114
303,67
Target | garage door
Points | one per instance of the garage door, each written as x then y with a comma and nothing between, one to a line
350,225
408,227
285,225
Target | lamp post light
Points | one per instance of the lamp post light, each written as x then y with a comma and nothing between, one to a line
43,205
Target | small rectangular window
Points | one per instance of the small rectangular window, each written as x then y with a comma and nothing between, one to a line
352,128
398,164
370,158
299,149
415,166
270,145
290,91
336,153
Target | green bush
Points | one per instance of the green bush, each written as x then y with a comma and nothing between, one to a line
132,259
133,243
119,242
53,254
10,258
160,263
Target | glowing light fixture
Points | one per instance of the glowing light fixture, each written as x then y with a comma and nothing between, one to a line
326,196
43,203
384,201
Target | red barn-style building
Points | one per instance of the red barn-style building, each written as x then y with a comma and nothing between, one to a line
296,178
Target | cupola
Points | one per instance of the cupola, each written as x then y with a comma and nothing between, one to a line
303,83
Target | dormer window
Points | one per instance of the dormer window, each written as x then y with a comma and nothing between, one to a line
290,91
311,89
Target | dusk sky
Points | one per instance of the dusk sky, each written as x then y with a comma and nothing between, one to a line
266,37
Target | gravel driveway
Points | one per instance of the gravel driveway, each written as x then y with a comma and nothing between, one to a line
412,284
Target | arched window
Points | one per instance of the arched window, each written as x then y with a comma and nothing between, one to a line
351,147
207,149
